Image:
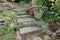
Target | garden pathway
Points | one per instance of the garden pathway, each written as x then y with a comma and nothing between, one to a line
28,25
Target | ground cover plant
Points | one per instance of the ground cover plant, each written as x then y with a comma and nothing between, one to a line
8,32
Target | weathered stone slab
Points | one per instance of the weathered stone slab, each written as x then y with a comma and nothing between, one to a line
1,26
20,9
25,30
2,23
24,16
29,23
24,8
26,20
1,20
6,8
20,13
1,9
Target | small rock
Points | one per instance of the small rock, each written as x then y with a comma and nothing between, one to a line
18,36
37,38
28,37
58,32
1,9
46,37
1,1
48,32
44,26
54,36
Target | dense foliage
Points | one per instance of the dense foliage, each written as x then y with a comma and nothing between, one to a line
52,9
53,13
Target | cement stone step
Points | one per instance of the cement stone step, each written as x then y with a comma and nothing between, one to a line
6,8
26,30
2,23
21,13
24,16
2,20
25,20
28,24
1,26
20,9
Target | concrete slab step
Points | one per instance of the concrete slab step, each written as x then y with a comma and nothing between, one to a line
2,23
21,13
25,20
24,16
28,24
6,8
2,20
26,30
20,9
1,26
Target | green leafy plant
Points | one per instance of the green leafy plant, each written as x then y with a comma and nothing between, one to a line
50,17
10,26
53,13
38,7
41,2
57,5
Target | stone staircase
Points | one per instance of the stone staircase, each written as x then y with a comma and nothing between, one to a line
26,22
24,19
